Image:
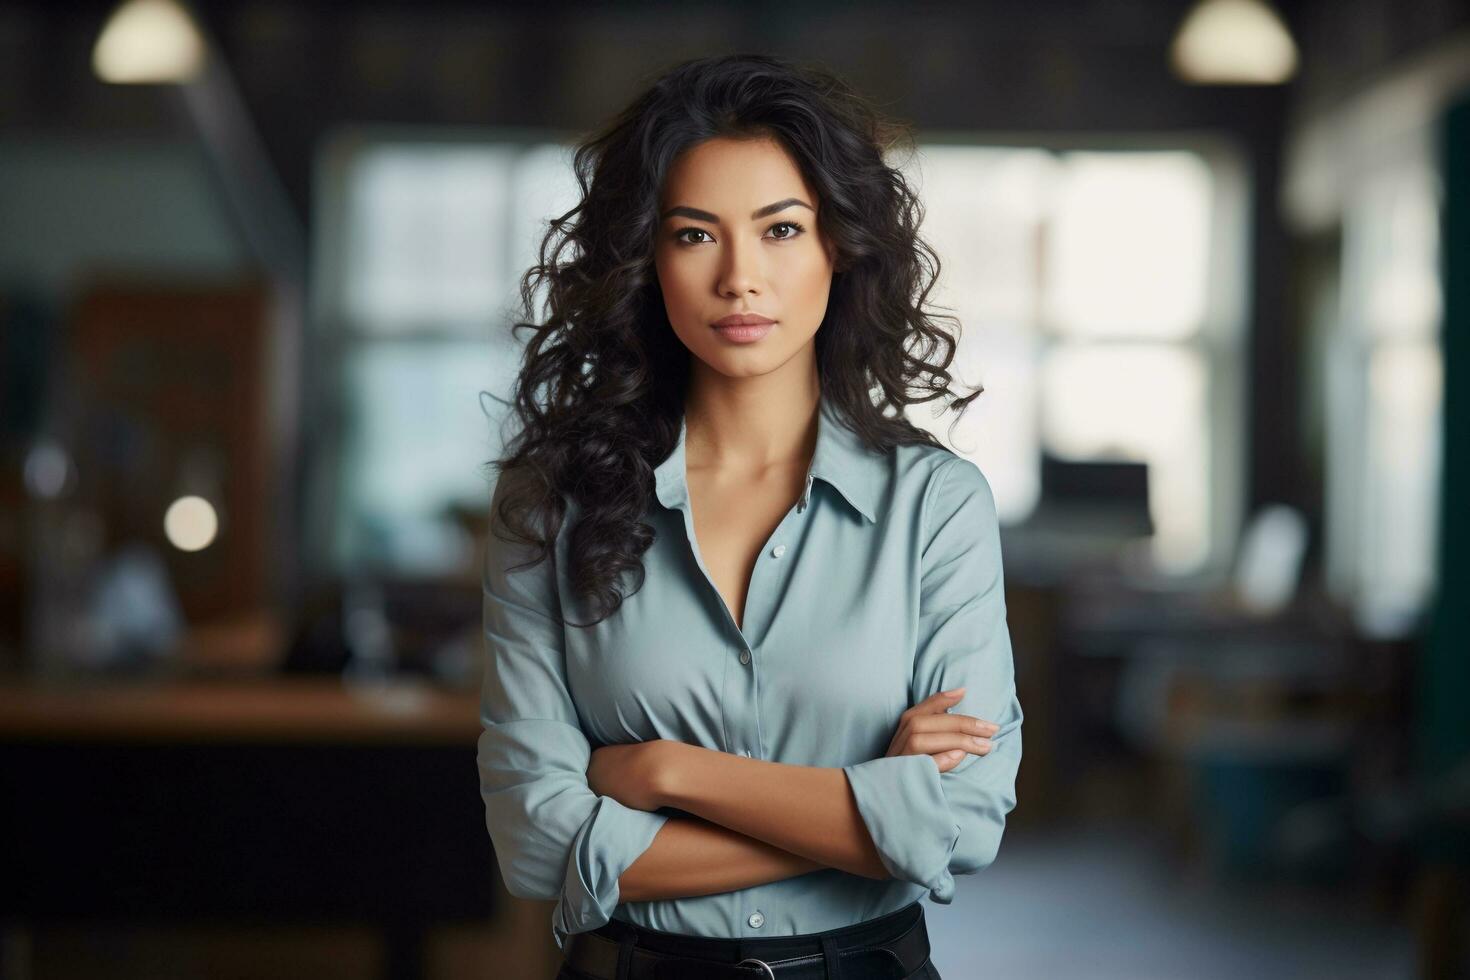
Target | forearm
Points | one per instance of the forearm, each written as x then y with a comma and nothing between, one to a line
691,856
808,811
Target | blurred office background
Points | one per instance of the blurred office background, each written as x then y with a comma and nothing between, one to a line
257,260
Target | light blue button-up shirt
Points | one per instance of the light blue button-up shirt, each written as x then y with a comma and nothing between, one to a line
881,586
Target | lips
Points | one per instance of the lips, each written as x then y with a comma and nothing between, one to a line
743,320
744,328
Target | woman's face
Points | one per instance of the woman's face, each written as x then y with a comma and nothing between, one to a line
738,234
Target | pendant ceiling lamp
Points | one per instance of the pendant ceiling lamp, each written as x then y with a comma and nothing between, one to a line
149,42
1233,42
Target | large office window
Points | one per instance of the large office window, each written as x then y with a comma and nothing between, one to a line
420,248
1099,296
1097,292
1385,398
1363,181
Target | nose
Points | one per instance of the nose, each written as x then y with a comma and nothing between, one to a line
740,270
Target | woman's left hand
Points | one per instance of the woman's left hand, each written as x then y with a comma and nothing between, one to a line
630,774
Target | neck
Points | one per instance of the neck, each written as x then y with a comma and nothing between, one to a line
750,424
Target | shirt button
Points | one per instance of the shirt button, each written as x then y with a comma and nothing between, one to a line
778,551
756,920
745,656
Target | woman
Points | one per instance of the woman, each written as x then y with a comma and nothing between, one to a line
733,603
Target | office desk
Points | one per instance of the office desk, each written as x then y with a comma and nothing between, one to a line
263,800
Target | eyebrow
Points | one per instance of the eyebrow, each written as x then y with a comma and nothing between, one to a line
755,215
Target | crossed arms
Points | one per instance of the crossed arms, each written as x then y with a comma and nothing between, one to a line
562,832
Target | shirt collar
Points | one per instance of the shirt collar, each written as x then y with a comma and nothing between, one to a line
841,460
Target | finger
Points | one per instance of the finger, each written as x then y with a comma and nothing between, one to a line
937,702
953,723
928,744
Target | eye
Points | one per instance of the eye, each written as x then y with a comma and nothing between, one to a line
797,229
679,235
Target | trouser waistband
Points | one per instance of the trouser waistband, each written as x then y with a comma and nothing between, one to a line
892,945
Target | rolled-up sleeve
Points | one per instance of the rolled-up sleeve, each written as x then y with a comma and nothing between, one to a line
929,826
555,839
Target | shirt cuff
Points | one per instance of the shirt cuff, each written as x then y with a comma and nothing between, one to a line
610,840
908,816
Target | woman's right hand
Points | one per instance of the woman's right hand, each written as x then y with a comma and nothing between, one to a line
928,729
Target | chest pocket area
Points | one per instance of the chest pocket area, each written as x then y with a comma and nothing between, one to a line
652,669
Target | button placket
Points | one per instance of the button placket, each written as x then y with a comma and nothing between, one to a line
744,722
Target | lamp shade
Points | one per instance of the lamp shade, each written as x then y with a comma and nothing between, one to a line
149,42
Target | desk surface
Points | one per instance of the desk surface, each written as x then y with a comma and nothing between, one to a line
272,709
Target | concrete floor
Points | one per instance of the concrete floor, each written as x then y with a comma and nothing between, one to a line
1106,904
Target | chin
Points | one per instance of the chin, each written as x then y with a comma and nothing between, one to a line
768,354
742,364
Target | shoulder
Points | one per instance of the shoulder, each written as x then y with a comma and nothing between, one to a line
945,485
939,472
917,465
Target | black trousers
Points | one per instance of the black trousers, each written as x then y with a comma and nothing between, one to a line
871,933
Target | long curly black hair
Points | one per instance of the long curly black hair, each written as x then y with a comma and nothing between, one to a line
600,393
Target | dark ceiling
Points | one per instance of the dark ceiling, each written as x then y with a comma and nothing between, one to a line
1061,66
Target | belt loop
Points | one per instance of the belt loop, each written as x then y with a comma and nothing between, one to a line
829,954
625,954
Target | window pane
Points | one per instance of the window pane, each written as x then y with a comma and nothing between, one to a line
1393,234
983,209
416,443
1127,250
1140,402
1383,449
425,237
1405,384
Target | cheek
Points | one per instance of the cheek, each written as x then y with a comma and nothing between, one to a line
804,288
683,305
681,302
804,275
681,286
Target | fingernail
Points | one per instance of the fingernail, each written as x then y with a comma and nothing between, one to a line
958,690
